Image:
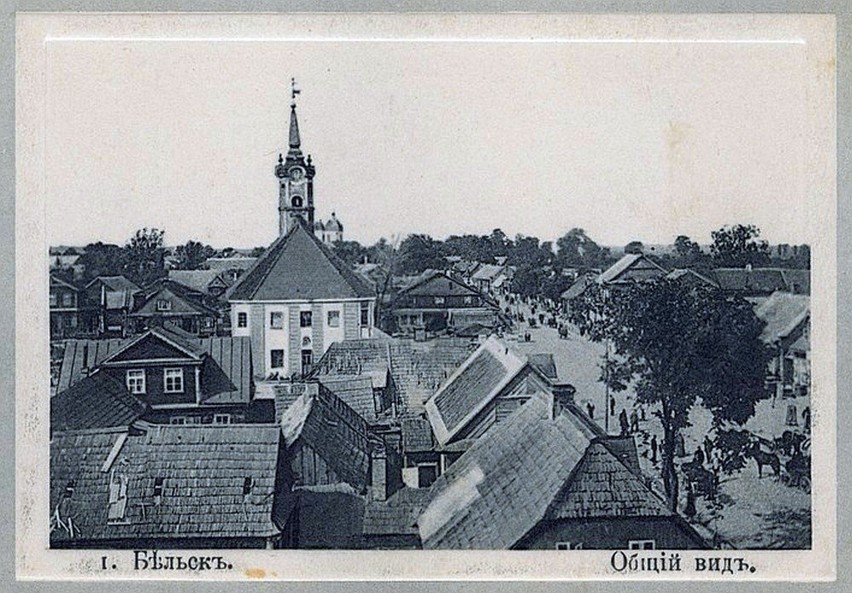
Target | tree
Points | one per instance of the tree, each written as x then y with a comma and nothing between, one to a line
738,246
193,255
634,248
144,256
678,345
419,253
101,259
352,252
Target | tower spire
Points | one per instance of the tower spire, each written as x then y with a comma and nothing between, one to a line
295,140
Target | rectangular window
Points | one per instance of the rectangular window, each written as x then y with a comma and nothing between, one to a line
365,314
427,473
305,319
276,320
468,300
242,319
641,544
568,546
221,419
164,305
173,380
177,420
439,300
334,319
67,299
307,361
136,381
53,299
276,359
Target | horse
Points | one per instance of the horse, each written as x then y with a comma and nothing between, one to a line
703,479
762,458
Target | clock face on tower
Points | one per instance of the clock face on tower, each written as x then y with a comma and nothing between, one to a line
296,174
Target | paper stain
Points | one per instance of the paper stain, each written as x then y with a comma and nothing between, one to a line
255,573
676,133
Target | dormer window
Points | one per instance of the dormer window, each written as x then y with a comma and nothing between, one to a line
158,490
173,380
136,381
164,305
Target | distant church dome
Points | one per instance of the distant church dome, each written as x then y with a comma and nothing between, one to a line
334,224
318,226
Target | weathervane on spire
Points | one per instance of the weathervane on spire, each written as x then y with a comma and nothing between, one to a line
294,90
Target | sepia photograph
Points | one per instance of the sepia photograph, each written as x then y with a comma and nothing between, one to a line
424,284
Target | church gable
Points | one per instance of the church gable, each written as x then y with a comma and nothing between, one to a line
298,267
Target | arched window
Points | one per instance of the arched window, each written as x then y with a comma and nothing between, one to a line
297,201
306,341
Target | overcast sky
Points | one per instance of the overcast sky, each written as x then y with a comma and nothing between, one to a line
628,141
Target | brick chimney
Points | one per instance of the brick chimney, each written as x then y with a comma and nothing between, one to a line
563,394
378,472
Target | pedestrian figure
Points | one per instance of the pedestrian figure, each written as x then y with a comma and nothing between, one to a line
642,413
680,446
654,449
622,420
698,458
708,447
806,418
792,416
634,421
590,408
689,509
611,406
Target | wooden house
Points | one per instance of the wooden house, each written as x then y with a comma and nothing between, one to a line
68,308
168,302
546,478
182,380
113,299
438,302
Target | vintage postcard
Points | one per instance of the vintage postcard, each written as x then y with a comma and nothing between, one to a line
426,297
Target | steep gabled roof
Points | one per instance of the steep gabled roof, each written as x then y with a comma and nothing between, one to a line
185,300
297,266
641,265
202,473
499,489
198,280
333,431
226,361
356,391
98,401
471,387
439,283
530,468
783,313
487,272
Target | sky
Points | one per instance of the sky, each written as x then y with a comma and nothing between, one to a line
627,141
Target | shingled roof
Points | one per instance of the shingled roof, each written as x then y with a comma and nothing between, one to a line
763,281
226,370
396,515
297,266
471,387
333,432
532,467
632,267
98,401
356,391
212,481
503,485
783,313
417,369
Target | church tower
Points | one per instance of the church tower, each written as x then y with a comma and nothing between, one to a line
295,176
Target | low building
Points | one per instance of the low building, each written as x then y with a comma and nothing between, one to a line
633,267
114,299
180,380
486,277
546,478
68,308
439,302
165,487
762,282
210,283
787,331
169,302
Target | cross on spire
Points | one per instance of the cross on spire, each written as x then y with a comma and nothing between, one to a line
294,90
